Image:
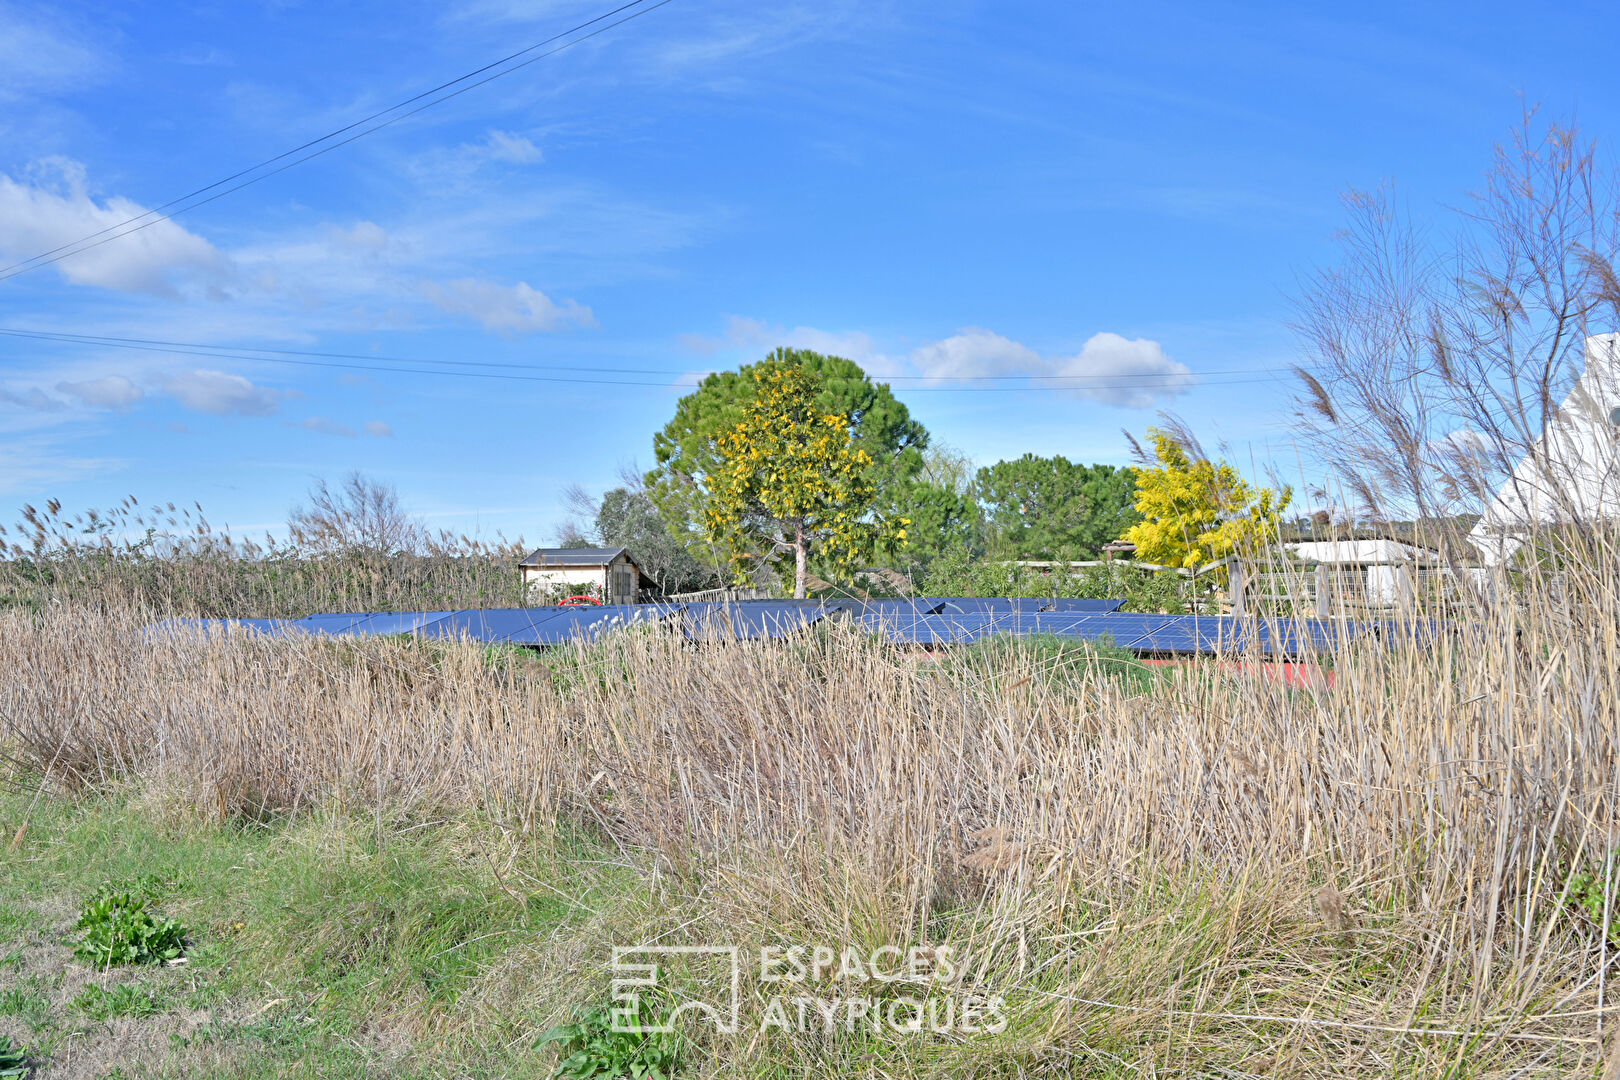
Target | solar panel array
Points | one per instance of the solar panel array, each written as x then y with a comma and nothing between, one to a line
924,621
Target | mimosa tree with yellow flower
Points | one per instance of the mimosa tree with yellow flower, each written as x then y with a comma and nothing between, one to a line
788,477
1197,511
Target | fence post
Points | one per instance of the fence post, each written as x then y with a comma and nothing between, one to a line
1236,584
1324,592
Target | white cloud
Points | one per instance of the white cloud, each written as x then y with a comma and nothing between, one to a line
29,464
518,309
31,398
223,395
974,352
366,236
755,334
1463,444
379,430
1130,372
54,207
324,426
505,146
39,53
108,392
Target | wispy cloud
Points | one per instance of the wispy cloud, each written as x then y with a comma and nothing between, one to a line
1106,357
742,333
40,52
31,397
33,463
108,392
323,426
506,309
505,146
219,394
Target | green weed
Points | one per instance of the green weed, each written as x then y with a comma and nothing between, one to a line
592,1046
124,999
13,1059
1586,892
119,929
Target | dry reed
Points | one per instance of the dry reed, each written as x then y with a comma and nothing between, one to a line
1429,809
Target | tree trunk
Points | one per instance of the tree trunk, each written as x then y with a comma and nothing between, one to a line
801,560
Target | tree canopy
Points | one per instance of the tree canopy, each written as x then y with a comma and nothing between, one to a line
1195,510
878,423
788,475
1050,507
628,518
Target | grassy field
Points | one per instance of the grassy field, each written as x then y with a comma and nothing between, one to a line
396,859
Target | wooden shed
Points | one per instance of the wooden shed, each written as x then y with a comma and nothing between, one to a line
609,573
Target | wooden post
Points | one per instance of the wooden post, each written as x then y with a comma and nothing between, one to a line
1324,591
1236,584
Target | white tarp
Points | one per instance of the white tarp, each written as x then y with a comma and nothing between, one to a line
1573,472
1362,552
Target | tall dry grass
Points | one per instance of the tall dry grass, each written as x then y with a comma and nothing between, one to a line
171,559
1379,871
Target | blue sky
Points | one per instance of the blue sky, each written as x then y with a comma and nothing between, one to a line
1123,195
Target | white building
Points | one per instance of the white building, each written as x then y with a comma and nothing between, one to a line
1572,474
1383,569
608,573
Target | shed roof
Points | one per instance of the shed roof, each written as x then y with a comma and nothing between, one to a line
543,557
1363,552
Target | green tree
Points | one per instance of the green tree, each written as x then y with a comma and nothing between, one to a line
629,518
940,504
1049,507
1195,510
789,476
685,450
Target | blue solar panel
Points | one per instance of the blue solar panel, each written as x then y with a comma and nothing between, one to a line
966,605
930,629
748,621
1034,622
332,623
1194,634
210,627
920,606
1420,632
1294,636
1095,607
584,623
397,622
1122,628
487,625
922,621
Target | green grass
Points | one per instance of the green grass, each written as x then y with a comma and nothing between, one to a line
322,947
417,946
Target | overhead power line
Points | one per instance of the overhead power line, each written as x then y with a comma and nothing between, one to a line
237,352
456,368
383,118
